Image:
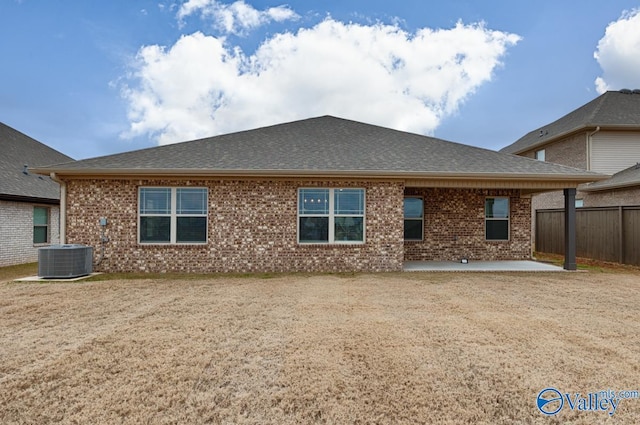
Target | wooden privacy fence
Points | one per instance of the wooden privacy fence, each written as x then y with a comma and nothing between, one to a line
603,233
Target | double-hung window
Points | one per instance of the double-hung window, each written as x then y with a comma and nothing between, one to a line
40,225
496,213
331,215
413,218
172,215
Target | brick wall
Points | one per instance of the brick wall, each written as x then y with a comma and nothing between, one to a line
252,227
454,227
16,232
616,197
571,151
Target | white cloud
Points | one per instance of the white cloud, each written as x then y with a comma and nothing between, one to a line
234,18
373,73
618,54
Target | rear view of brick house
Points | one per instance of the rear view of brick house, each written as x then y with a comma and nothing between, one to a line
321,194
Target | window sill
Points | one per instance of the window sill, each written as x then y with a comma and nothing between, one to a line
359,243
197,244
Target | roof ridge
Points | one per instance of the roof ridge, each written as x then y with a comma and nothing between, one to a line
601,100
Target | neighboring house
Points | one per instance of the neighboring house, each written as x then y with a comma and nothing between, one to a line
601,136
321,194
29,203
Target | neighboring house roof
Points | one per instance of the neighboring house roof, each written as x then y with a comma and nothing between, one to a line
16,183
626,178
615,110
323,146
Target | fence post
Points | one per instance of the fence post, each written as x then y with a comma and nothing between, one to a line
621,235
570,229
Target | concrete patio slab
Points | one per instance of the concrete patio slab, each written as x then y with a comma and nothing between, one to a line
480,266
44,279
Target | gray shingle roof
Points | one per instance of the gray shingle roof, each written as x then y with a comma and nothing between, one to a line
324,145
625,178
18,150
613,109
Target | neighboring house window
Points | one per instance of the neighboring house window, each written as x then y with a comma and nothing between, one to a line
579,203
496,213
540,155
331,215
173,215
413,219
40,225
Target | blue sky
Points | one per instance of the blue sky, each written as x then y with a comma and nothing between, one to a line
94,78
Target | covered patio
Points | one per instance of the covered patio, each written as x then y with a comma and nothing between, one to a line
487,223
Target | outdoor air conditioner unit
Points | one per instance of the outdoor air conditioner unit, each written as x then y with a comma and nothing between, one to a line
65,261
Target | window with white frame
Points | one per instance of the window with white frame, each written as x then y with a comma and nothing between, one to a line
172,215
331,215
40,225
540,155
496,213
413,218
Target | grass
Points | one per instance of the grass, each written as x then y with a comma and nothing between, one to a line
15,272
587,263
328,349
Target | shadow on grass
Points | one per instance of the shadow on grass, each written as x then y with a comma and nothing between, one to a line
587,264
9,273
186,276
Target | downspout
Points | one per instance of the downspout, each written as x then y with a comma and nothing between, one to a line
63,207
589,136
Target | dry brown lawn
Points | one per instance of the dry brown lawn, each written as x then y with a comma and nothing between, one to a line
336,349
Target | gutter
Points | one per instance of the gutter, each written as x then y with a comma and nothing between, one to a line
603,187
63,206
589,139
587,176
30,199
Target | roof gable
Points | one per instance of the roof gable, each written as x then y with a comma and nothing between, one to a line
613,109
19,150
321,146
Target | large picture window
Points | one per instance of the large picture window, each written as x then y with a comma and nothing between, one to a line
173,215
331,215
496,213
413,219
40,225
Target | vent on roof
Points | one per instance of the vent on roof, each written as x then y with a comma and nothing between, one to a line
65,261
25,169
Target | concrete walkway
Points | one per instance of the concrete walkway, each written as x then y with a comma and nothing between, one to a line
480,266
